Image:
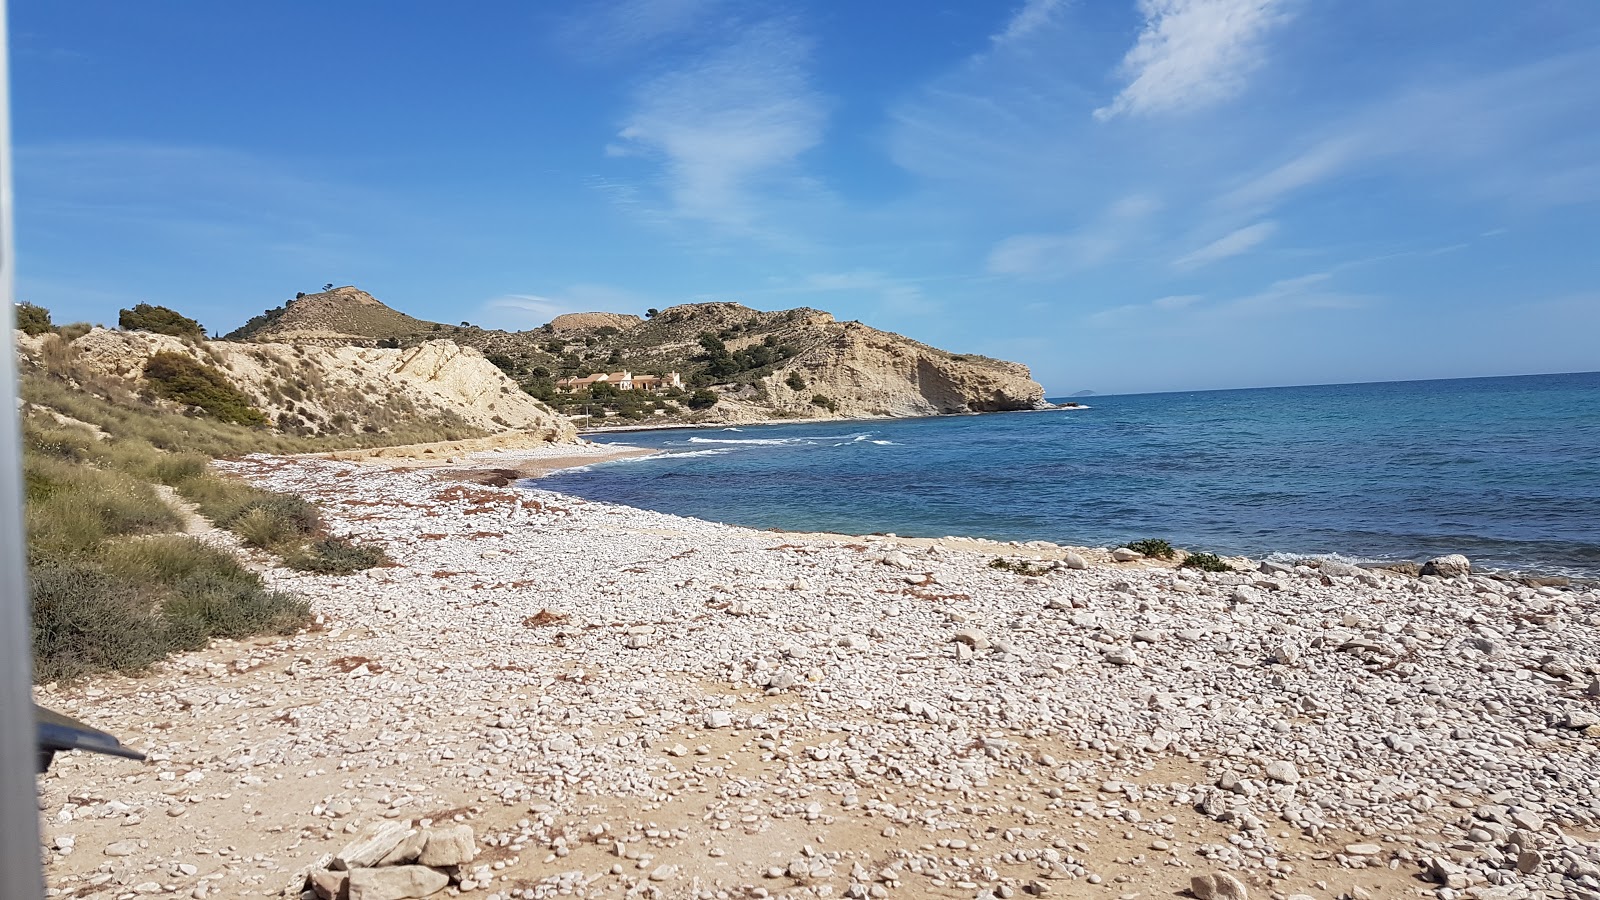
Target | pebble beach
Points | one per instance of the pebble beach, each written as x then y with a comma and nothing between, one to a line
614,702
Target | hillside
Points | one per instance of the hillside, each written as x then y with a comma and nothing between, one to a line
756,365
337,317
343,395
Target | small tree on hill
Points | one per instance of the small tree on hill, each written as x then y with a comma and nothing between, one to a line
160,320
33,319
705,398
327,287
651,313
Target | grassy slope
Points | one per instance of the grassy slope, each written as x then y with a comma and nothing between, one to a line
114,586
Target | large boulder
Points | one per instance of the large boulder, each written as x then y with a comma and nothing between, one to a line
396,883
1453,566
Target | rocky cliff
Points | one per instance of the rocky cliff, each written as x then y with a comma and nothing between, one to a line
325,389
761,365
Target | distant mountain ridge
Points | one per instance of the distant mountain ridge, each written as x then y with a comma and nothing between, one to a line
760,365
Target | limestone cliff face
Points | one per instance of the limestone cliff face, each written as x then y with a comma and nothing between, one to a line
866,372
337,389
587,321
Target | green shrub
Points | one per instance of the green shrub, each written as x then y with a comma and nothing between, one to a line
207,605
72,332
335,556
33,320
72,507
795,381
170,559
1206,562
265,519
1152,547
85,621
827,403
1019,566
705,398
182,379
146,599
160,320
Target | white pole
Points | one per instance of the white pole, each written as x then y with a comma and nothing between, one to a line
20,876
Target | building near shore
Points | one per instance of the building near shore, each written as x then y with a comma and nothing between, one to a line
623,381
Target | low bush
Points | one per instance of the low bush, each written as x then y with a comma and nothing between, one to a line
145,599
160,320
1152,547
264,519
826,402
170,558
72,507
183,379
33,320
208,605
1206,562
85,620
72,332
1018,566
705,398
335,556
795,381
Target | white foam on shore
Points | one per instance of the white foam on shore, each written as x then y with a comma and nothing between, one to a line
802,439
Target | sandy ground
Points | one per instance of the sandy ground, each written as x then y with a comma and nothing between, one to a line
623,703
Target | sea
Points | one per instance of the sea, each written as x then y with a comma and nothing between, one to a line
1504,470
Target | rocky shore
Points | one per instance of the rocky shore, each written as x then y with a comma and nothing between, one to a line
580,699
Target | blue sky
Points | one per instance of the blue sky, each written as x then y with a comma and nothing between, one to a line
1126,195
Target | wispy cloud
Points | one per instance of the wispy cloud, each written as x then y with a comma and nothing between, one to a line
1054,254
1233,243
1194,53
728,123
1032,16
610,31
1305,292
1302,293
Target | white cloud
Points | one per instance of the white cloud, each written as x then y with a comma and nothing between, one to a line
1062,252
1194,53
610,31
1029,19
1231,244
728,123
1306,292
1320,162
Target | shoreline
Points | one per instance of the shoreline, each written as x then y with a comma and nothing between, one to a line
623,702
722,426
1044,548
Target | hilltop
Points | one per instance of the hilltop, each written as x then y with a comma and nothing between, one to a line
738,364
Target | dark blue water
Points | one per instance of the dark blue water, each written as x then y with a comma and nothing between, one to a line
1505,470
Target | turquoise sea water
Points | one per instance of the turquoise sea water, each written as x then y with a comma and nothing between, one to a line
1505,470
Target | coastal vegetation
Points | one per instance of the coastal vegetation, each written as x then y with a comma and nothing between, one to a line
1205,562
1018,566
114,476
114,586
160,320
183,379
1152,547
33,320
